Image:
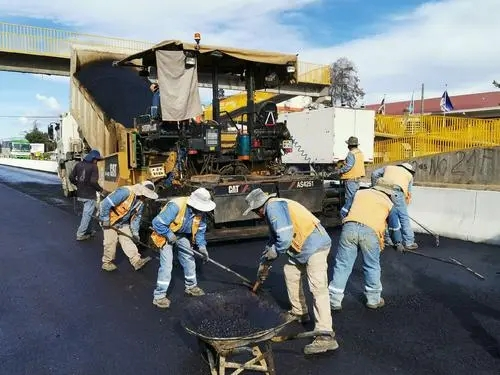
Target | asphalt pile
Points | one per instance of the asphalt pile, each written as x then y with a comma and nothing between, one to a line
232,314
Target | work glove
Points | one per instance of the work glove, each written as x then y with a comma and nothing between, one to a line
399,248
204,252
263,271
105,225
269,253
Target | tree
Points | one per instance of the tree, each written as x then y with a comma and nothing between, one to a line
344,88
36,136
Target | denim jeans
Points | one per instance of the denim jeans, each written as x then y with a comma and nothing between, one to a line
393,231
398,198
354,237
186,258
351,187
88,211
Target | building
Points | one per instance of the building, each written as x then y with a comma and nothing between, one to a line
478,105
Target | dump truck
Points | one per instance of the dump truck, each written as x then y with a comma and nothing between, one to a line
114,109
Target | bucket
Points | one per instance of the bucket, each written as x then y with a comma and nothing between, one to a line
243,147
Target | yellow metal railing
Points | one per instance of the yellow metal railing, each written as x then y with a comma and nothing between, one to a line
439,135
43,41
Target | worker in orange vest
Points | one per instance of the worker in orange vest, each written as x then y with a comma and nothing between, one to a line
363,229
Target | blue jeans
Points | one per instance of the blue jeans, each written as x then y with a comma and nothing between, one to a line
398,198
354,237
393,231
351,187
186,258
88,212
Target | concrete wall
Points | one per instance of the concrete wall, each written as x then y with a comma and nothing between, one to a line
469,215
37,165
468,167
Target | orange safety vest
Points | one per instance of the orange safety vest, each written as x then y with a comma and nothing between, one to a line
123,208
398,176
371,208
176,224
303,222
358,169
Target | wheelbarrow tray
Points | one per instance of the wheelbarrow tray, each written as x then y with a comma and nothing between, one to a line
233,319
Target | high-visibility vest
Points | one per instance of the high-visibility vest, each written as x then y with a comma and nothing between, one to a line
398,176
123,208
303,222
358,169
176,224
371,208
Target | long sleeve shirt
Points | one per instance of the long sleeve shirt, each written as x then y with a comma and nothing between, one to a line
281,233
113,200
377,173
348,164
161,224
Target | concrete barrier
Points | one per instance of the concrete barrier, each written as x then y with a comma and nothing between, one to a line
37,165
469,215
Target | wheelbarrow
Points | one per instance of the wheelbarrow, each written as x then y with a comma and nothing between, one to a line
236,323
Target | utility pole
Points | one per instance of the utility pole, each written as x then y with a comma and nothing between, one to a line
422,100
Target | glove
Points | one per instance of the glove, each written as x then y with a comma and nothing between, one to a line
263,271
270,253
105,225
172,239
204,252
399,248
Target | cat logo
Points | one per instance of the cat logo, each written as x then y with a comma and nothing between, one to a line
233,189
305,184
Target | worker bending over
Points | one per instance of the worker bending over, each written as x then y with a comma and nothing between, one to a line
363,229
401,177
298,233
120,217
352,171
181,223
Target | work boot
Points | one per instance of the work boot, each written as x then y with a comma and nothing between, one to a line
108,266
412,246
83,238
92,233
380,304
321,344
194,291
141,263
399,247
304,318
162,303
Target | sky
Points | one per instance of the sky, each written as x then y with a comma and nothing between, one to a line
395,45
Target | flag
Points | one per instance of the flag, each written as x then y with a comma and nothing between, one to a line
381,109
411,107
445,103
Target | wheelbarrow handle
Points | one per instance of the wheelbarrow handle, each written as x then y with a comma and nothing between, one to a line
301,335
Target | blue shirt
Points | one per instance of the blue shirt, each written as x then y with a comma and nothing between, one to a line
113,200
161,224
349,163
281,233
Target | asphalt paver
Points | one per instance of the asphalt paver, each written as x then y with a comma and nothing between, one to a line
61,314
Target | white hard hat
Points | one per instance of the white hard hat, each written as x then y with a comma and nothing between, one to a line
201,200
408,166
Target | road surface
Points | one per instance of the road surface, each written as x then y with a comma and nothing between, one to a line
60,314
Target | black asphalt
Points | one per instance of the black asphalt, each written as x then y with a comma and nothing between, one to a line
60,314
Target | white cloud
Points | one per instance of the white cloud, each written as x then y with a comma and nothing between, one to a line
51,78
50,102
442,42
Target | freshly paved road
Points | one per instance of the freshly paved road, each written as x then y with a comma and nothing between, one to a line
60,314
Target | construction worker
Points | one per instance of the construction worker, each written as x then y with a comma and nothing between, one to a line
155,101
363,229
401,176
181,224
352,171
85,176
298,233
120,216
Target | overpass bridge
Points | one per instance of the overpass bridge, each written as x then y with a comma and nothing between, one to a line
38,50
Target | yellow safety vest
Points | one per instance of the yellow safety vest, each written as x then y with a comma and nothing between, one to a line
358,169
176,224
398,176
371,208
123,208
303,222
